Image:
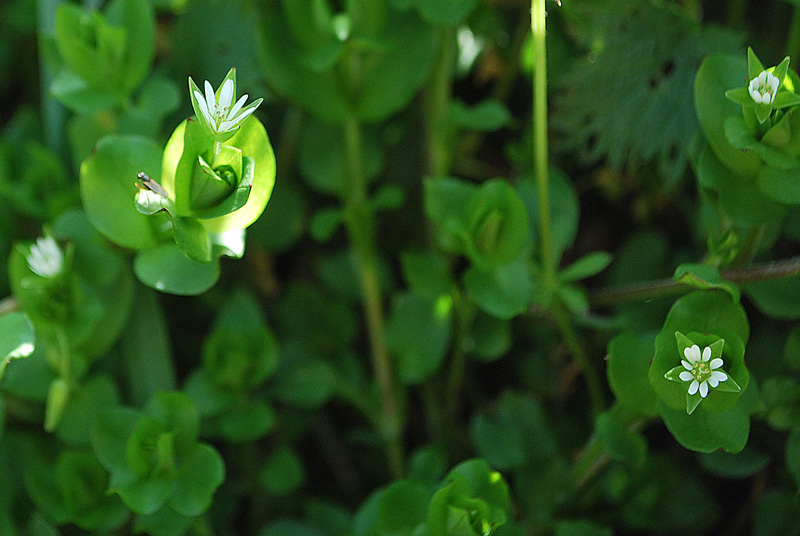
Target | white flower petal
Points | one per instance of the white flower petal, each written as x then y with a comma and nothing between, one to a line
226,126
693,387
201,103
704,389
713,382
706,353
716,363
692,353
719,376
237,106
226,96
686,376
211,100
687,365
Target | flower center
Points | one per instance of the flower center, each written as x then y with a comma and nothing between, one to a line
701,371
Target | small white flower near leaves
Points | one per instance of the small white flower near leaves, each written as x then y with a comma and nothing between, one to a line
217,111
764,87
701,370
45,257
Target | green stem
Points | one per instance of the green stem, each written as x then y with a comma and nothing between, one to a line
437,102
360,223
540,150
593,383
669,287
749,247
593,459
53,114
465,314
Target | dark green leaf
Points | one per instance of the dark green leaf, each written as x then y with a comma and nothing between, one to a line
418,335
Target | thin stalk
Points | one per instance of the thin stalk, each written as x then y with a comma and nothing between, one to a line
540,149
607,297
437,102
53,114
465,314
359,221
593,383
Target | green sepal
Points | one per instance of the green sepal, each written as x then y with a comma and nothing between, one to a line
741,96
754,66
780,71
207,186
705,278
238,197
762,112
784,99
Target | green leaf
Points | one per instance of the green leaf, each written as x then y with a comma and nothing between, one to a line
145,349
707,432
247,422
144,496
704,278
202,471
492,337
322,157
497,223
167,269
444,12
163,522
306,384
735,466
418,335
178,415
780,185
563,210
85,402
504,292
180,164
17,338
486,116
793,455
446,201
738,197
426,274
618,440
779,298
717,74
324,223
704,317
108,188
587,266
283,472
628,362
111,428
402,507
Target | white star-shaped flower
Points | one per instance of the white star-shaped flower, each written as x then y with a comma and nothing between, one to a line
217,111
45,257
764,87
701,370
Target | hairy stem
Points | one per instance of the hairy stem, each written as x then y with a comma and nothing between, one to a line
669,287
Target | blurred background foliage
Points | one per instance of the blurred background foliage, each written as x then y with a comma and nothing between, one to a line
402,133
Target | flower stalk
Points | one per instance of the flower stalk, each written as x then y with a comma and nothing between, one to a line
359,222
540,145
